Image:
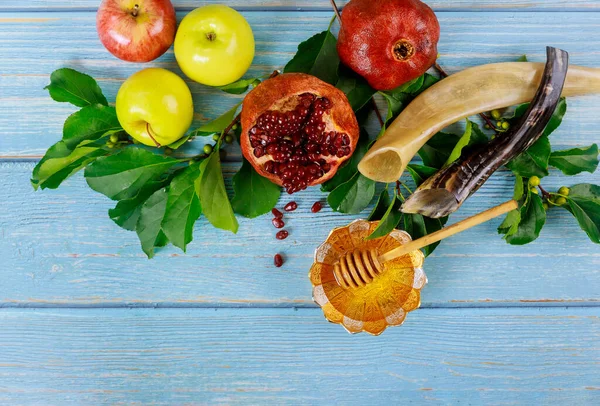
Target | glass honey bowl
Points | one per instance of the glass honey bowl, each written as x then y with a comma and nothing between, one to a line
374,304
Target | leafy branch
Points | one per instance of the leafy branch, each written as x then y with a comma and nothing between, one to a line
161,197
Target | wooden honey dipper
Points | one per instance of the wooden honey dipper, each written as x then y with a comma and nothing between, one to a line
360,267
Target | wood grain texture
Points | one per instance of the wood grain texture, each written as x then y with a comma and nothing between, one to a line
30,121
463,5
60,248
239,331
281,356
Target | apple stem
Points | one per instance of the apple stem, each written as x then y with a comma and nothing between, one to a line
135,10
150,135
211,36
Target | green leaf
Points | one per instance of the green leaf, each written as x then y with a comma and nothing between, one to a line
409,87
254,195
555,120
317,56
68,85
531,222
78,147
428,81
519,190
462,142
183,207
60,162
90,123
400,97
584,203
353,196
574,161
444,148
511,223
127,212
215,126
124,174
355,87
182,140
534,161
478,137
396,103
149,229
240,86
381,206
419,226
389,221
420,173
213,195
350,168
437,150
218,124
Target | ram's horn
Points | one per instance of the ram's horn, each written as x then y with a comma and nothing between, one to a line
445,191
469,92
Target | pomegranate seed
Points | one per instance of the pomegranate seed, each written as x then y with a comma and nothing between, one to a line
345,140
316,207
338,141
277,223
272,149
278,260
282,235
291,206
270,166
276,213
296,140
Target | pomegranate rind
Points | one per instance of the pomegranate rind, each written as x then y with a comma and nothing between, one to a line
369,31
270,94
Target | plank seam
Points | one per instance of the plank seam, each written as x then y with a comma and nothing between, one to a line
217,305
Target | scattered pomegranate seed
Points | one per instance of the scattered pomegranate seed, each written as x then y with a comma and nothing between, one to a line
276,213
278,260
282,235
316,207
278,223
291,206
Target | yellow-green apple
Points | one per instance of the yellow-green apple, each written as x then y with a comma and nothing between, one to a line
214,45
136,30
155,107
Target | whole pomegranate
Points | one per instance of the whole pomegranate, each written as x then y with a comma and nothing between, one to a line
297,130
388,42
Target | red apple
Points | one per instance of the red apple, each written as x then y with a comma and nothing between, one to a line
136,30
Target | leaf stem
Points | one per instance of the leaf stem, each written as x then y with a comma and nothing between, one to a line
336,10
444,74
406,187
398,191
377,112
545,193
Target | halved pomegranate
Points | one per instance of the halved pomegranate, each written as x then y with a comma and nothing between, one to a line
297,130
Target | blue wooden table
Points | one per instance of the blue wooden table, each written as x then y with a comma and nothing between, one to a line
85,318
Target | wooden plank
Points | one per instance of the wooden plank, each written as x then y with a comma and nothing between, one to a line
60,248
32,45
281,356
463,5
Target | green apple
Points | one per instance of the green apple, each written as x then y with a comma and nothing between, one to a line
214,45
155,107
